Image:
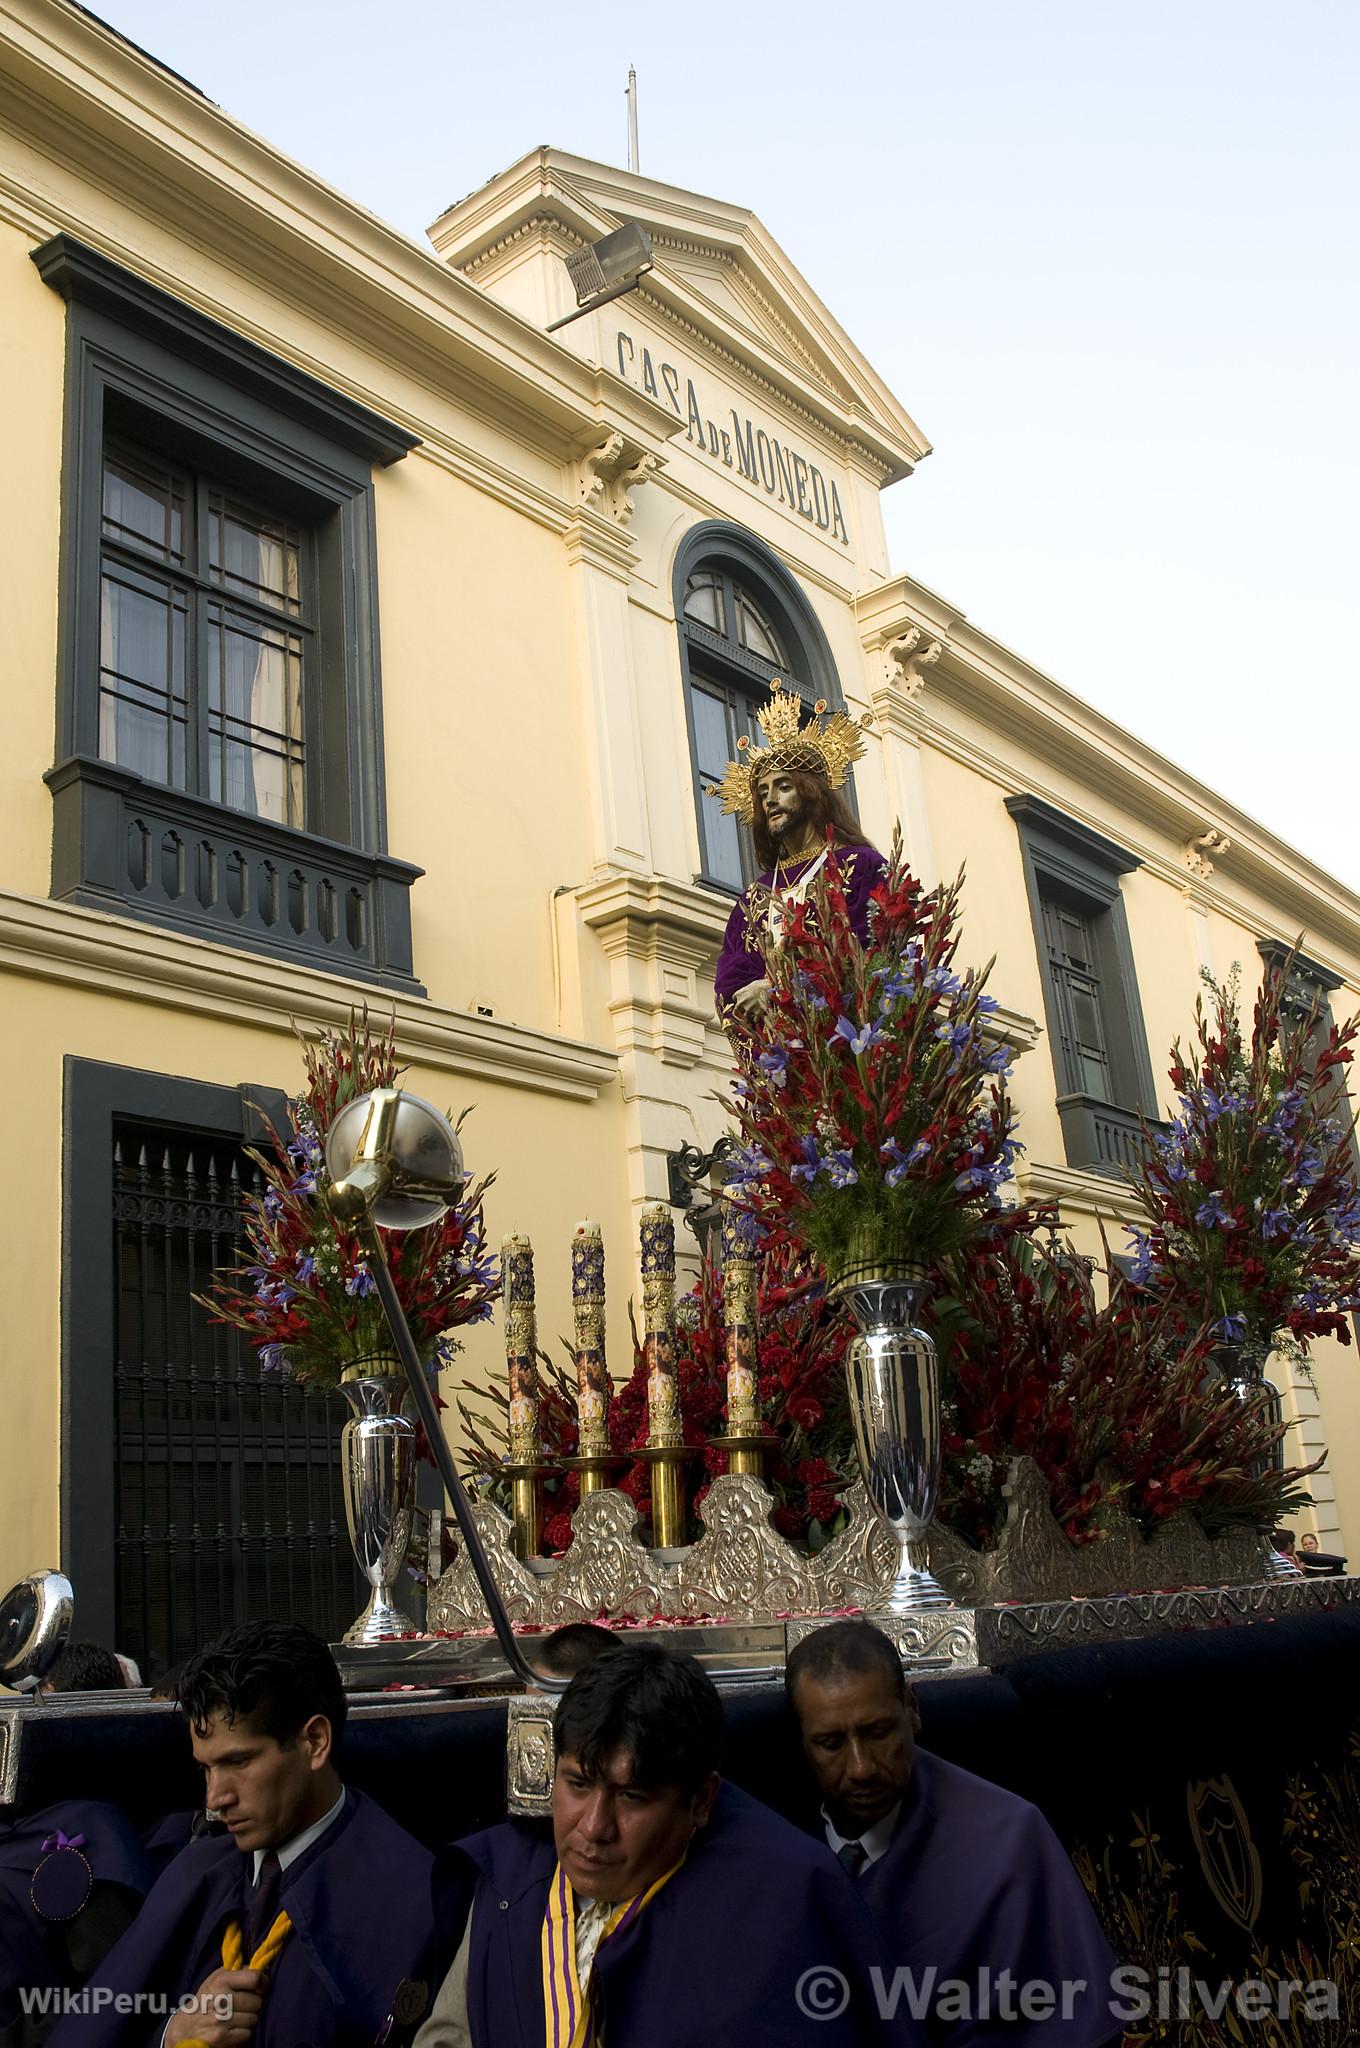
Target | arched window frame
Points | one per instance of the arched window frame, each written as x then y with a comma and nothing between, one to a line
710,658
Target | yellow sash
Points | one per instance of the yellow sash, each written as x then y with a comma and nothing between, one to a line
567,2003
265,1956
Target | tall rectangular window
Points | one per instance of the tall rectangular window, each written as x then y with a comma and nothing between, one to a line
1074,963
1095,1024
721,716
219,732
207,631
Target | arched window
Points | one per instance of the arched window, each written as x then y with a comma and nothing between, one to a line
744,625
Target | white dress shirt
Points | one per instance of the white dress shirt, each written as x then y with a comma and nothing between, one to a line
874,1841
289,1851
296,1845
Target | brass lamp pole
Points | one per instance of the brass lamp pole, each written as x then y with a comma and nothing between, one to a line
394,1162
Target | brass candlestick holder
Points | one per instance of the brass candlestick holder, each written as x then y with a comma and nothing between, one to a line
594,1460
745,1440
668,1491
525,1466
665,1448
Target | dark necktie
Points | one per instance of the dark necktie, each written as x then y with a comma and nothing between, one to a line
264,1903
852,1857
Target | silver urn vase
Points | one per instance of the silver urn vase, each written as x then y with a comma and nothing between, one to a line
377,1465
1241,1365
893,1376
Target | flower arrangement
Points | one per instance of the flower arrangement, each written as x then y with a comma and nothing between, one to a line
1109,1399
802,1395
872,1107
301,1290
1251,1206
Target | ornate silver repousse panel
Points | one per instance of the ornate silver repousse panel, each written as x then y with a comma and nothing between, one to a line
742,1568
11,1734
937,1638
530,1754
1008,1633
606,1570
456,1602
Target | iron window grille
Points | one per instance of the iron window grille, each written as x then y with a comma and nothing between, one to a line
196,1490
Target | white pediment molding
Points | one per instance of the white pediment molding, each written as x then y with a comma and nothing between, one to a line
718,273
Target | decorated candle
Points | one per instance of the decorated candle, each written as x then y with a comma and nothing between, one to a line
521,1346
592,1373
658,1312
741,1273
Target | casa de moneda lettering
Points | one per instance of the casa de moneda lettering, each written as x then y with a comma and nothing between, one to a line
755,454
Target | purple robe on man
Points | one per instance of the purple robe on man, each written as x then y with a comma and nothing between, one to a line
359,1901
757,1939
740,961
56,1926
975,1880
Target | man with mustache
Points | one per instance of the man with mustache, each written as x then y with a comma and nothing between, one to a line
662,1906
962,1877
789,795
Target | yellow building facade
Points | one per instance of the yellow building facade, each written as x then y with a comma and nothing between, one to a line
368,643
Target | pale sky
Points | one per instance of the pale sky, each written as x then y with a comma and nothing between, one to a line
1104,253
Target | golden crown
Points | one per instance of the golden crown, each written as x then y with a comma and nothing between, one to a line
824,746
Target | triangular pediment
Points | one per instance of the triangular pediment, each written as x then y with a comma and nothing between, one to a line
718,273
740,297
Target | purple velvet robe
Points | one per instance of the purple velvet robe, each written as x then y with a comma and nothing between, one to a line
359,1900
739,961
59,1953
717,1956
975,1879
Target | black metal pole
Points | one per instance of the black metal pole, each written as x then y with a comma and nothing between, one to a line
439,1450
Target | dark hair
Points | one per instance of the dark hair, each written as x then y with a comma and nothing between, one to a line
663,1710
87,1667
572,1648
825,807
274,1674
166,1687
843,1649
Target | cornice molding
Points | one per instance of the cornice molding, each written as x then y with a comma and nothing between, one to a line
1011,698
92,104
1042,820
1075,1192
879,437
640,913
81,275
1013,1028
112,956
661,939
824,423
743,283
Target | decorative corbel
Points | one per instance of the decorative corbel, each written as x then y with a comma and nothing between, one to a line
608,475
597,467
628,480
907,656
1198,852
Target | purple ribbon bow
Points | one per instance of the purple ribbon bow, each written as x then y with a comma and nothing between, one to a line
61,1841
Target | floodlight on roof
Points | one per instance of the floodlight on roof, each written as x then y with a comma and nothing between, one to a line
606,269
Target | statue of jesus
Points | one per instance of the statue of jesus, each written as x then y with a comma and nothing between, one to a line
789,795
